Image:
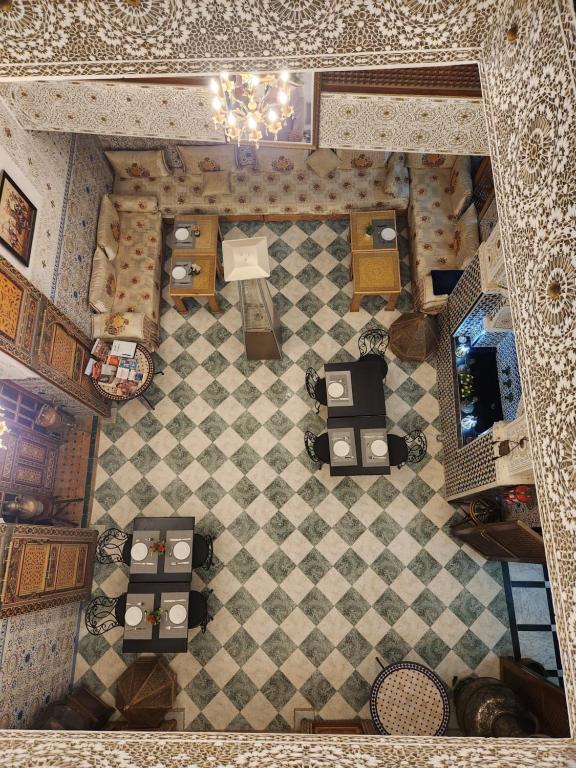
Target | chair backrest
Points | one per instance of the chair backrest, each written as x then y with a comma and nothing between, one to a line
198,615
397,450
374,341
312,380
202,551
417,446
101,614
110,546
310,443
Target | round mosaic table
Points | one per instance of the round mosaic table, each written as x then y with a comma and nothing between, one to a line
145,366
408,699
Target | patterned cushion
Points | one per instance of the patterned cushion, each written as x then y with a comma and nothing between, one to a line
140,237
102,282
461,184
212,157
142,203
281,160
355,159
429,160
138,287
138,164
466,236
108,236
322,162
118,325
216,183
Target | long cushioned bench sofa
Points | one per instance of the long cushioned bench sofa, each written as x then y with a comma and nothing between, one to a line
281,183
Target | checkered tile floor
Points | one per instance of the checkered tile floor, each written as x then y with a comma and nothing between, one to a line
315,576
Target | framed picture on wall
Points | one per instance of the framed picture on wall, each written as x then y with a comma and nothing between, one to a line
17,219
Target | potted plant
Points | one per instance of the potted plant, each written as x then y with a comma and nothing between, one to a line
369,230
154,617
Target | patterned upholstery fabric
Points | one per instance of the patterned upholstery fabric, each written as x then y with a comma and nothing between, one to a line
133,311
259,192
429,160
134,204
466,237
216,183
108,235
281,160
437,242
322,162
102,282
137,164
212,157
355,159
461,183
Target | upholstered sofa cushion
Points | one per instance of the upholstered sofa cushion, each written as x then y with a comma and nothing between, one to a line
466,237
415,160
135,203
323,162
216,183
108,234
140,237
208,157
102,282
461,185
361,160
281,159
138,164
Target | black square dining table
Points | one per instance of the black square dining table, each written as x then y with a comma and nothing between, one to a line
358,423
156,644
367,389
165,525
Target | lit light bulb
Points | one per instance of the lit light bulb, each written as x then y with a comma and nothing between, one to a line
272,115
224,76
254,80
252,124
231,118
283,97
284,75
216,103
214,87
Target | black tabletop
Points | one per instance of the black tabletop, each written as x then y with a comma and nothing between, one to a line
164,525
156,644
358,424
367,390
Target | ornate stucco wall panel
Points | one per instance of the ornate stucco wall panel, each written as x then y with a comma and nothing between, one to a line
78,38
403,123
125,109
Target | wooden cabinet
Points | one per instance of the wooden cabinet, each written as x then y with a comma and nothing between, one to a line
512,541
45,566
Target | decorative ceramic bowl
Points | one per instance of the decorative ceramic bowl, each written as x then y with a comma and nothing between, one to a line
182,233
388,234
179,273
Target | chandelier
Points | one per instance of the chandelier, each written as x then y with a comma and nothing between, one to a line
251,106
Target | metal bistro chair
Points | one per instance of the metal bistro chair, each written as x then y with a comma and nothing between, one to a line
202,551
105,613
317,447
198,614
114,547
409,449
316,388
372,346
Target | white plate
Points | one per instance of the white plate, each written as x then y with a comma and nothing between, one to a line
179,273
388,233
335,389
181,550
177,614
341,448
139,551
133,616
379,448
181,233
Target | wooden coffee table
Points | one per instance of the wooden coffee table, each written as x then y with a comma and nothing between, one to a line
374,267
204,252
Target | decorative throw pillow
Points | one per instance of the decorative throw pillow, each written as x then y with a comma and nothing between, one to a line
466,237
207,158
461,185
444,280
108,236
281,159
323,162
135,203
138,164
216,183
357,160
126,325
102,283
